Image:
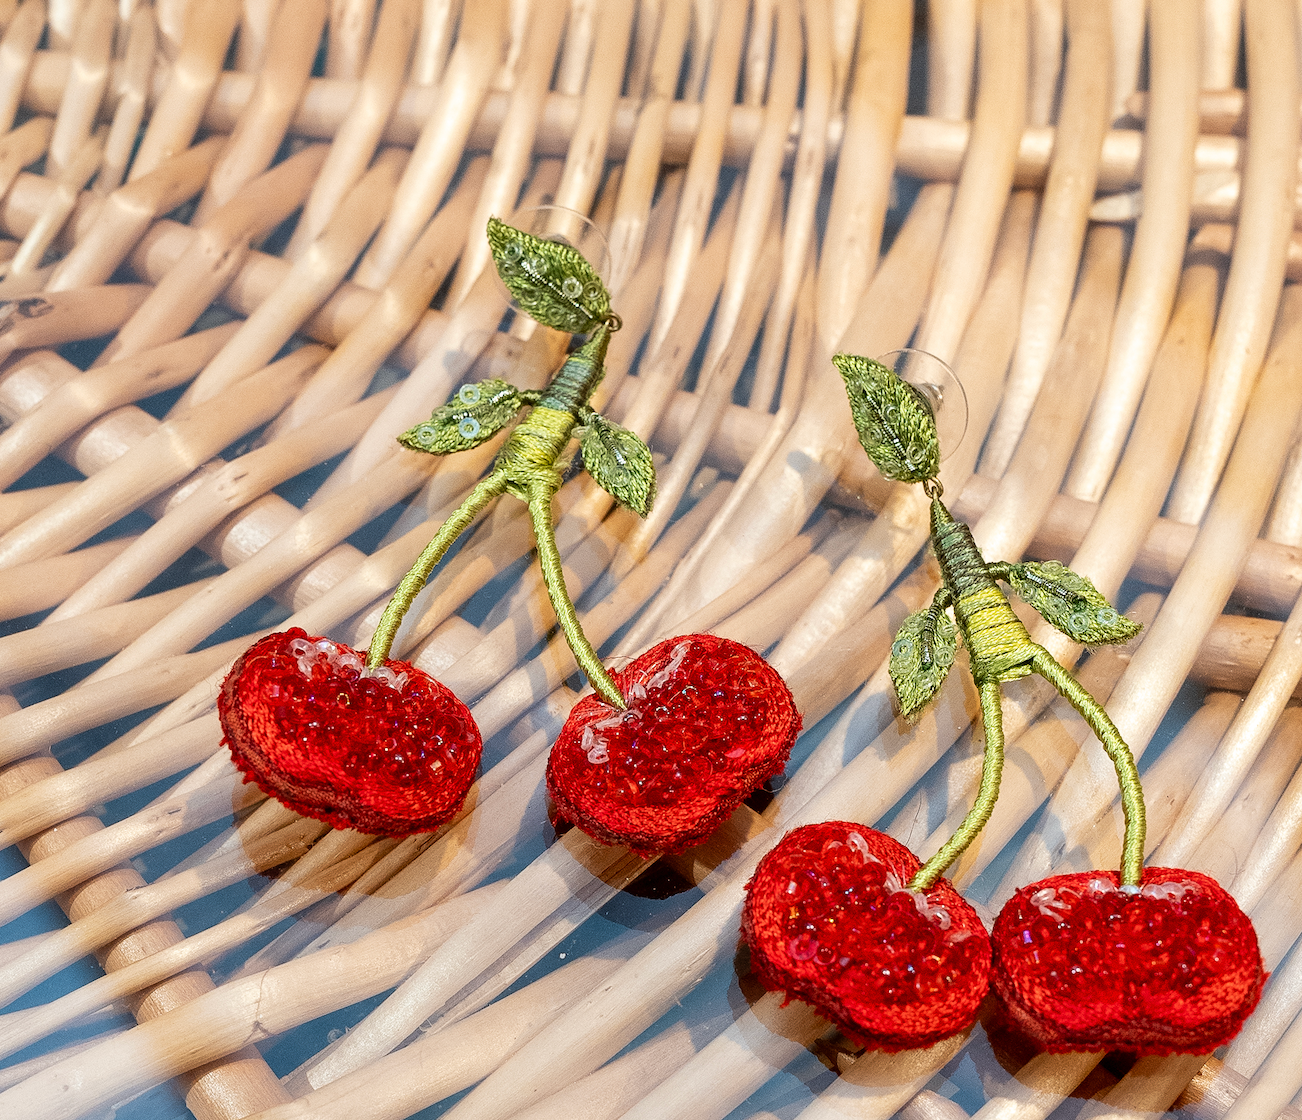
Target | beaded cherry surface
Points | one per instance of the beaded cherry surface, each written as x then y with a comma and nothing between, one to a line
377,745
829,919
1147,960
1082,963
389,752
707,721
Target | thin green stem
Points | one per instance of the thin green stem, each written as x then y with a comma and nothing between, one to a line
992,769
1132,793
414,580
549,559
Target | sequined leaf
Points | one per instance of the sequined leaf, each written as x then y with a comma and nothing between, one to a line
552,282
473,415
921,655
1070,602
894,420
619,462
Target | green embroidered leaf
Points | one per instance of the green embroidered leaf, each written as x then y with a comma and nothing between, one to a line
895,422
472,416
620,463
923,651
552,283
1070,602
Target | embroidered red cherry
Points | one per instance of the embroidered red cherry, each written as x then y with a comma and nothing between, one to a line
708,720
1168,967
830,920
392,753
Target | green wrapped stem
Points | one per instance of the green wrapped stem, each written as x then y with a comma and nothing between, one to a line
414,580
549,559
1132,794
992,769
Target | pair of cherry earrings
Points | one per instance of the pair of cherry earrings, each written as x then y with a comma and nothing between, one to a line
841,916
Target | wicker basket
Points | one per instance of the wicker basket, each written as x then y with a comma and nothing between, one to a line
247,250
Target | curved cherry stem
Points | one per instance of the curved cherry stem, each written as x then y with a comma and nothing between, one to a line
992,769
1132,794
526,467
549,560
426,562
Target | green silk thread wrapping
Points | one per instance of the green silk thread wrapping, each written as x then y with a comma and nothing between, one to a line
556,286
992,770
426,562
525,467
897,430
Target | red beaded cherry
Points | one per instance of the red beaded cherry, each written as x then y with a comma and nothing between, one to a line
830,920
708,720
391,752
1168,967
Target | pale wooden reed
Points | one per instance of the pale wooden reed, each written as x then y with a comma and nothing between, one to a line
355,141
700,184
290,50
215,254
223,494
1152,272
646,146
762,524
893,304
1127,53
1257,271
16,49
1220,54
801,341
311,281
445,1062
82,165
1060,226
752,277
437,152
929,147
116,226
248,1006
170,454
137,68
194,73
1046,59
349,28
89,78
1130,1093
514,143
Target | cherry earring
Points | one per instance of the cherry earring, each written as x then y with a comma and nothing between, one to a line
381,746
1148,960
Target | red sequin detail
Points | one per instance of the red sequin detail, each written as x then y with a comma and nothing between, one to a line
1082,965
829,920
707,721
303,722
